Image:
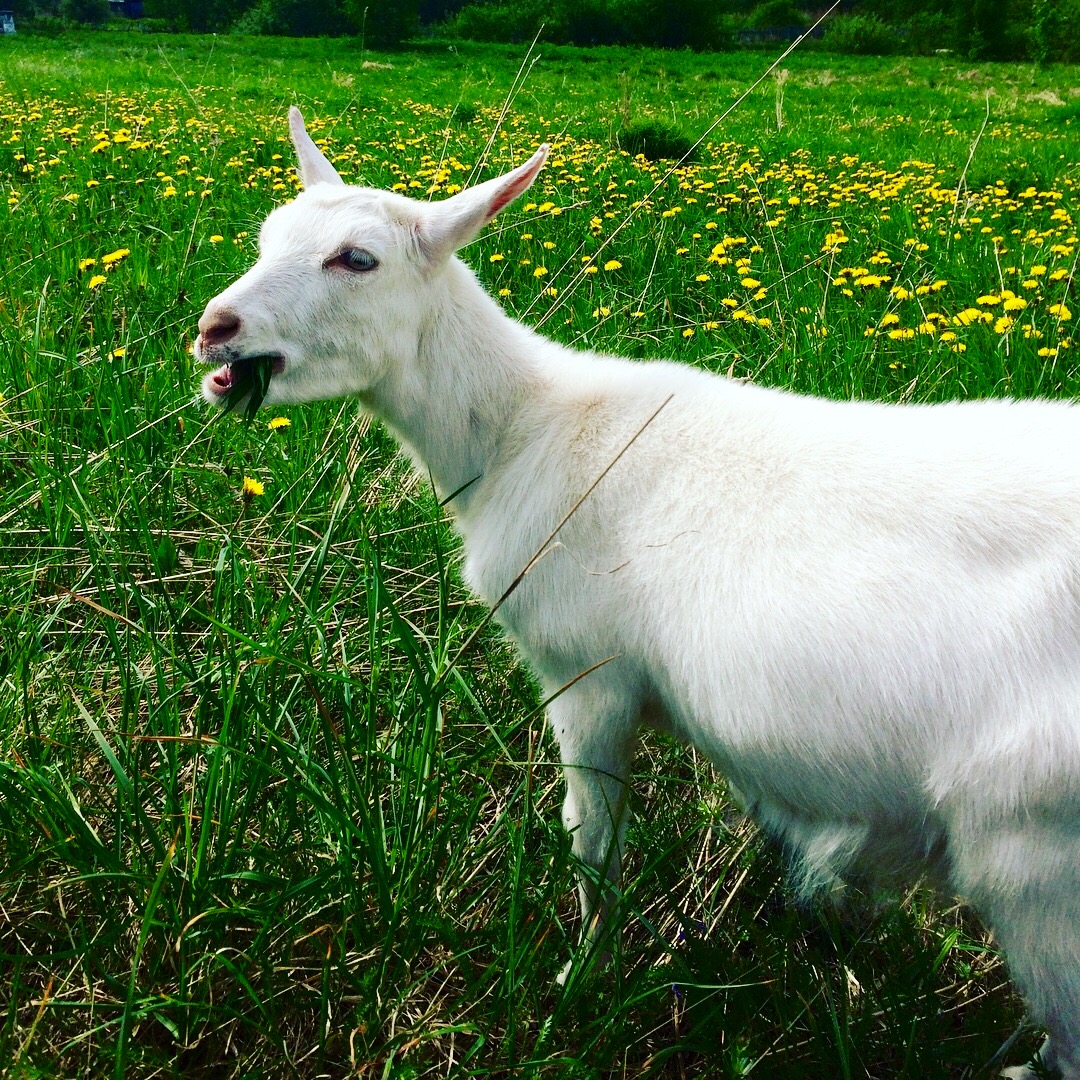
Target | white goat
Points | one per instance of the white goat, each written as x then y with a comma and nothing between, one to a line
868,616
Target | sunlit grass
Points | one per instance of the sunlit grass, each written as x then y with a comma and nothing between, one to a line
261,811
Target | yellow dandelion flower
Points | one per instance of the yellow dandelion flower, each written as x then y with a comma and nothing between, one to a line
688,332
496,258
703,277
217,238
889,319
749,283
85,264
1061,311
613,264
1044,351
591,270
278,423
1004,324
117,354
1015,303
251,488
540,271
989,299
115,256
95,281
601,312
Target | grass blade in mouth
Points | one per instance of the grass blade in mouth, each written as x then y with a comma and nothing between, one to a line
251,376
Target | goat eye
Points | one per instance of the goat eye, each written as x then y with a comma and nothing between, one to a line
357,260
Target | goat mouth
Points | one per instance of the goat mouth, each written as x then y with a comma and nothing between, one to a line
246,376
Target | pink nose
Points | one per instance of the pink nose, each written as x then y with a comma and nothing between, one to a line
218,326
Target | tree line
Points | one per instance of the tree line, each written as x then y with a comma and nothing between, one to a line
1038,30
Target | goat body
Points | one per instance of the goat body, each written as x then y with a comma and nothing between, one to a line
868,616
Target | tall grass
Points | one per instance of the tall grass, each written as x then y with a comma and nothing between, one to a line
272,801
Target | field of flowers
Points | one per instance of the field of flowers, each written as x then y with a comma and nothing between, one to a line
272,801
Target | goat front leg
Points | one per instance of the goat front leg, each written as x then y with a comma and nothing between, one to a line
1023,877
596,727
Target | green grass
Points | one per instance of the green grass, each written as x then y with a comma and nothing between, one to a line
272,802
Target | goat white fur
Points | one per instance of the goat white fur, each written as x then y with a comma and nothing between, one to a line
868,616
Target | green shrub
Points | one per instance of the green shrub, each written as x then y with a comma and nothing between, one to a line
862,35
584,22
654,139
383,23
155,26
465,113
1054,31
293,18
564,22
50,26
506,23
775,13
928,31
671,24
88,12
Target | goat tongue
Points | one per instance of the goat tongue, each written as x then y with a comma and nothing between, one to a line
223,379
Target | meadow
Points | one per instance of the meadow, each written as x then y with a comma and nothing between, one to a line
275,800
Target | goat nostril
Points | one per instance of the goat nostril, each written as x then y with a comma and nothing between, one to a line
220,327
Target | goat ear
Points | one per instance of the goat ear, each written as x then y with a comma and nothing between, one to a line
454,222
314,167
